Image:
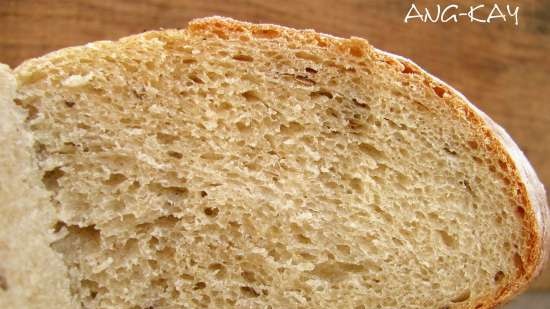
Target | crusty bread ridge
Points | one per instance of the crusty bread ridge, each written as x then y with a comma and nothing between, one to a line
256,166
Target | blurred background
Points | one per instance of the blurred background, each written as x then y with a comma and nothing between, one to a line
501,67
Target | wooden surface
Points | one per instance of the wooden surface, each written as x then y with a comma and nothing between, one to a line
502,68
533,300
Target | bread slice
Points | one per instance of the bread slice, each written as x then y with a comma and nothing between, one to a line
234,165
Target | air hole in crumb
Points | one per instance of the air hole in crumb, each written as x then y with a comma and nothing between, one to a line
248,276
243,58
188,61
69,103
175,154
386,216
215,266
211,211
266,33
303,239
204,194
321,93
360,104
51,178
440,91
357,185
213,76
251,96
307,256
291,128
153,264
408,69
87,234
333,113
447,239
220,33
253,166
172,192
115,179
165,139
321,42
503,165
249,292
335,271
199,286
372,151
243,127
212,156
345,249
225,106
356,51
58,226
467,186
196,79
520,212
311,70
3,283
138,94
462,297
449,151
32,111
354,125
134,186
397,241
499,276
305,80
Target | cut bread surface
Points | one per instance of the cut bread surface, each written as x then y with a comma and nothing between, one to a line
232,165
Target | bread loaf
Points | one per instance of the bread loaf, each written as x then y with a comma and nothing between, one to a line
236,165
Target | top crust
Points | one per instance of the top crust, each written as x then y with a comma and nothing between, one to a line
530,191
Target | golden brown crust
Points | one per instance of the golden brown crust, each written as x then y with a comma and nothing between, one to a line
525,186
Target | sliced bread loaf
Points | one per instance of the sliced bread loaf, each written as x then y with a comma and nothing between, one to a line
234,165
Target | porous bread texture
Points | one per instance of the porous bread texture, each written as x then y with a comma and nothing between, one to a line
32,275
232,165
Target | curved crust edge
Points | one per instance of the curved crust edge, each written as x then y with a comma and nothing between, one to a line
533,189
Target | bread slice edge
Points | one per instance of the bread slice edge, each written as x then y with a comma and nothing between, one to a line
32,274
532,190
